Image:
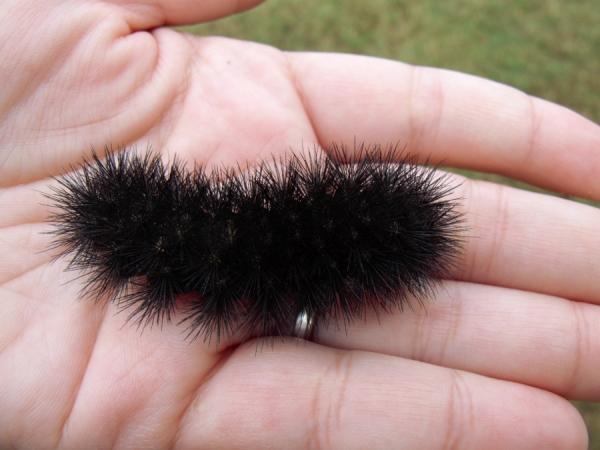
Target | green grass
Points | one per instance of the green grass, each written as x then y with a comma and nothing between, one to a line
548,48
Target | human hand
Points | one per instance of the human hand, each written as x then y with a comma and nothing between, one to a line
485,365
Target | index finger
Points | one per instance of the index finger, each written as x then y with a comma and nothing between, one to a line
460,120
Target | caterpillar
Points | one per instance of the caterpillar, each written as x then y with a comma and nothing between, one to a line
249,249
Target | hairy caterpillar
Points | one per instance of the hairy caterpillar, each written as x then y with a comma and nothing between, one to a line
252,249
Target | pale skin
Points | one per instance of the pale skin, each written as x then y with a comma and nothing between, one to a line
489,363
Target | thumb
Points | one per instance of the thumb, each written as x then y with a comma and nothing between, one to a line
154,13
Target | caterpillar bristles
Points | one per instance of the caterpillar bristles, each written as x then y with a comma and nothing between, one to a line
251,249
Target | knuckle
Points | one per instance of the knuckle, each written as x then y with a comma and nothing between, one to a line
329,402
459,413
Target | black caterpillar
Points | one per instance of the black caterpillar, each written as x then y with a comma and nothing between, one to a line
251,249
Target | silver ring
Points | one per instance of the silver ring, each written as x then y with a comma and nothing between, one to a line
305,326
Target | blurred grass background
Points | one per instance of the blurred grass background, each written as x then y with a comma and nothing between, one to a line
547,48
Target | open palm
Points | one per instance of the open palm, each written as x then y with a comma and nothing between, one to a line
486,364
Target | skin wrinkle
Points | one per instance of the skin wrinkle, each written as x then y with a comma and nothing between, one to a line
501,224
410,107
14,339
85,124
41,271
161,132
455,314
155,72
39,250
417,347
15,284
292,75
476,268
271,141
87,34
436,119
77,388
38,209
220,360
535,126
459,416
581,345
313,441
196,46
108,46
99,41
168,126
173,115
158,107
335,404
343,369
425,106
40,229
51,64
469,262
37,265
326,415
120,435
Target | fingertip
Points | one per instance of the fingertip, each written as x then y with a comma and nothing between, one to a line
184,12
537,419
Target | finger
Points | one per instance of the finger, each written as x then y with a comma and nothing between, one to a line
543,341
462,120
153,13
298,396
529,241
